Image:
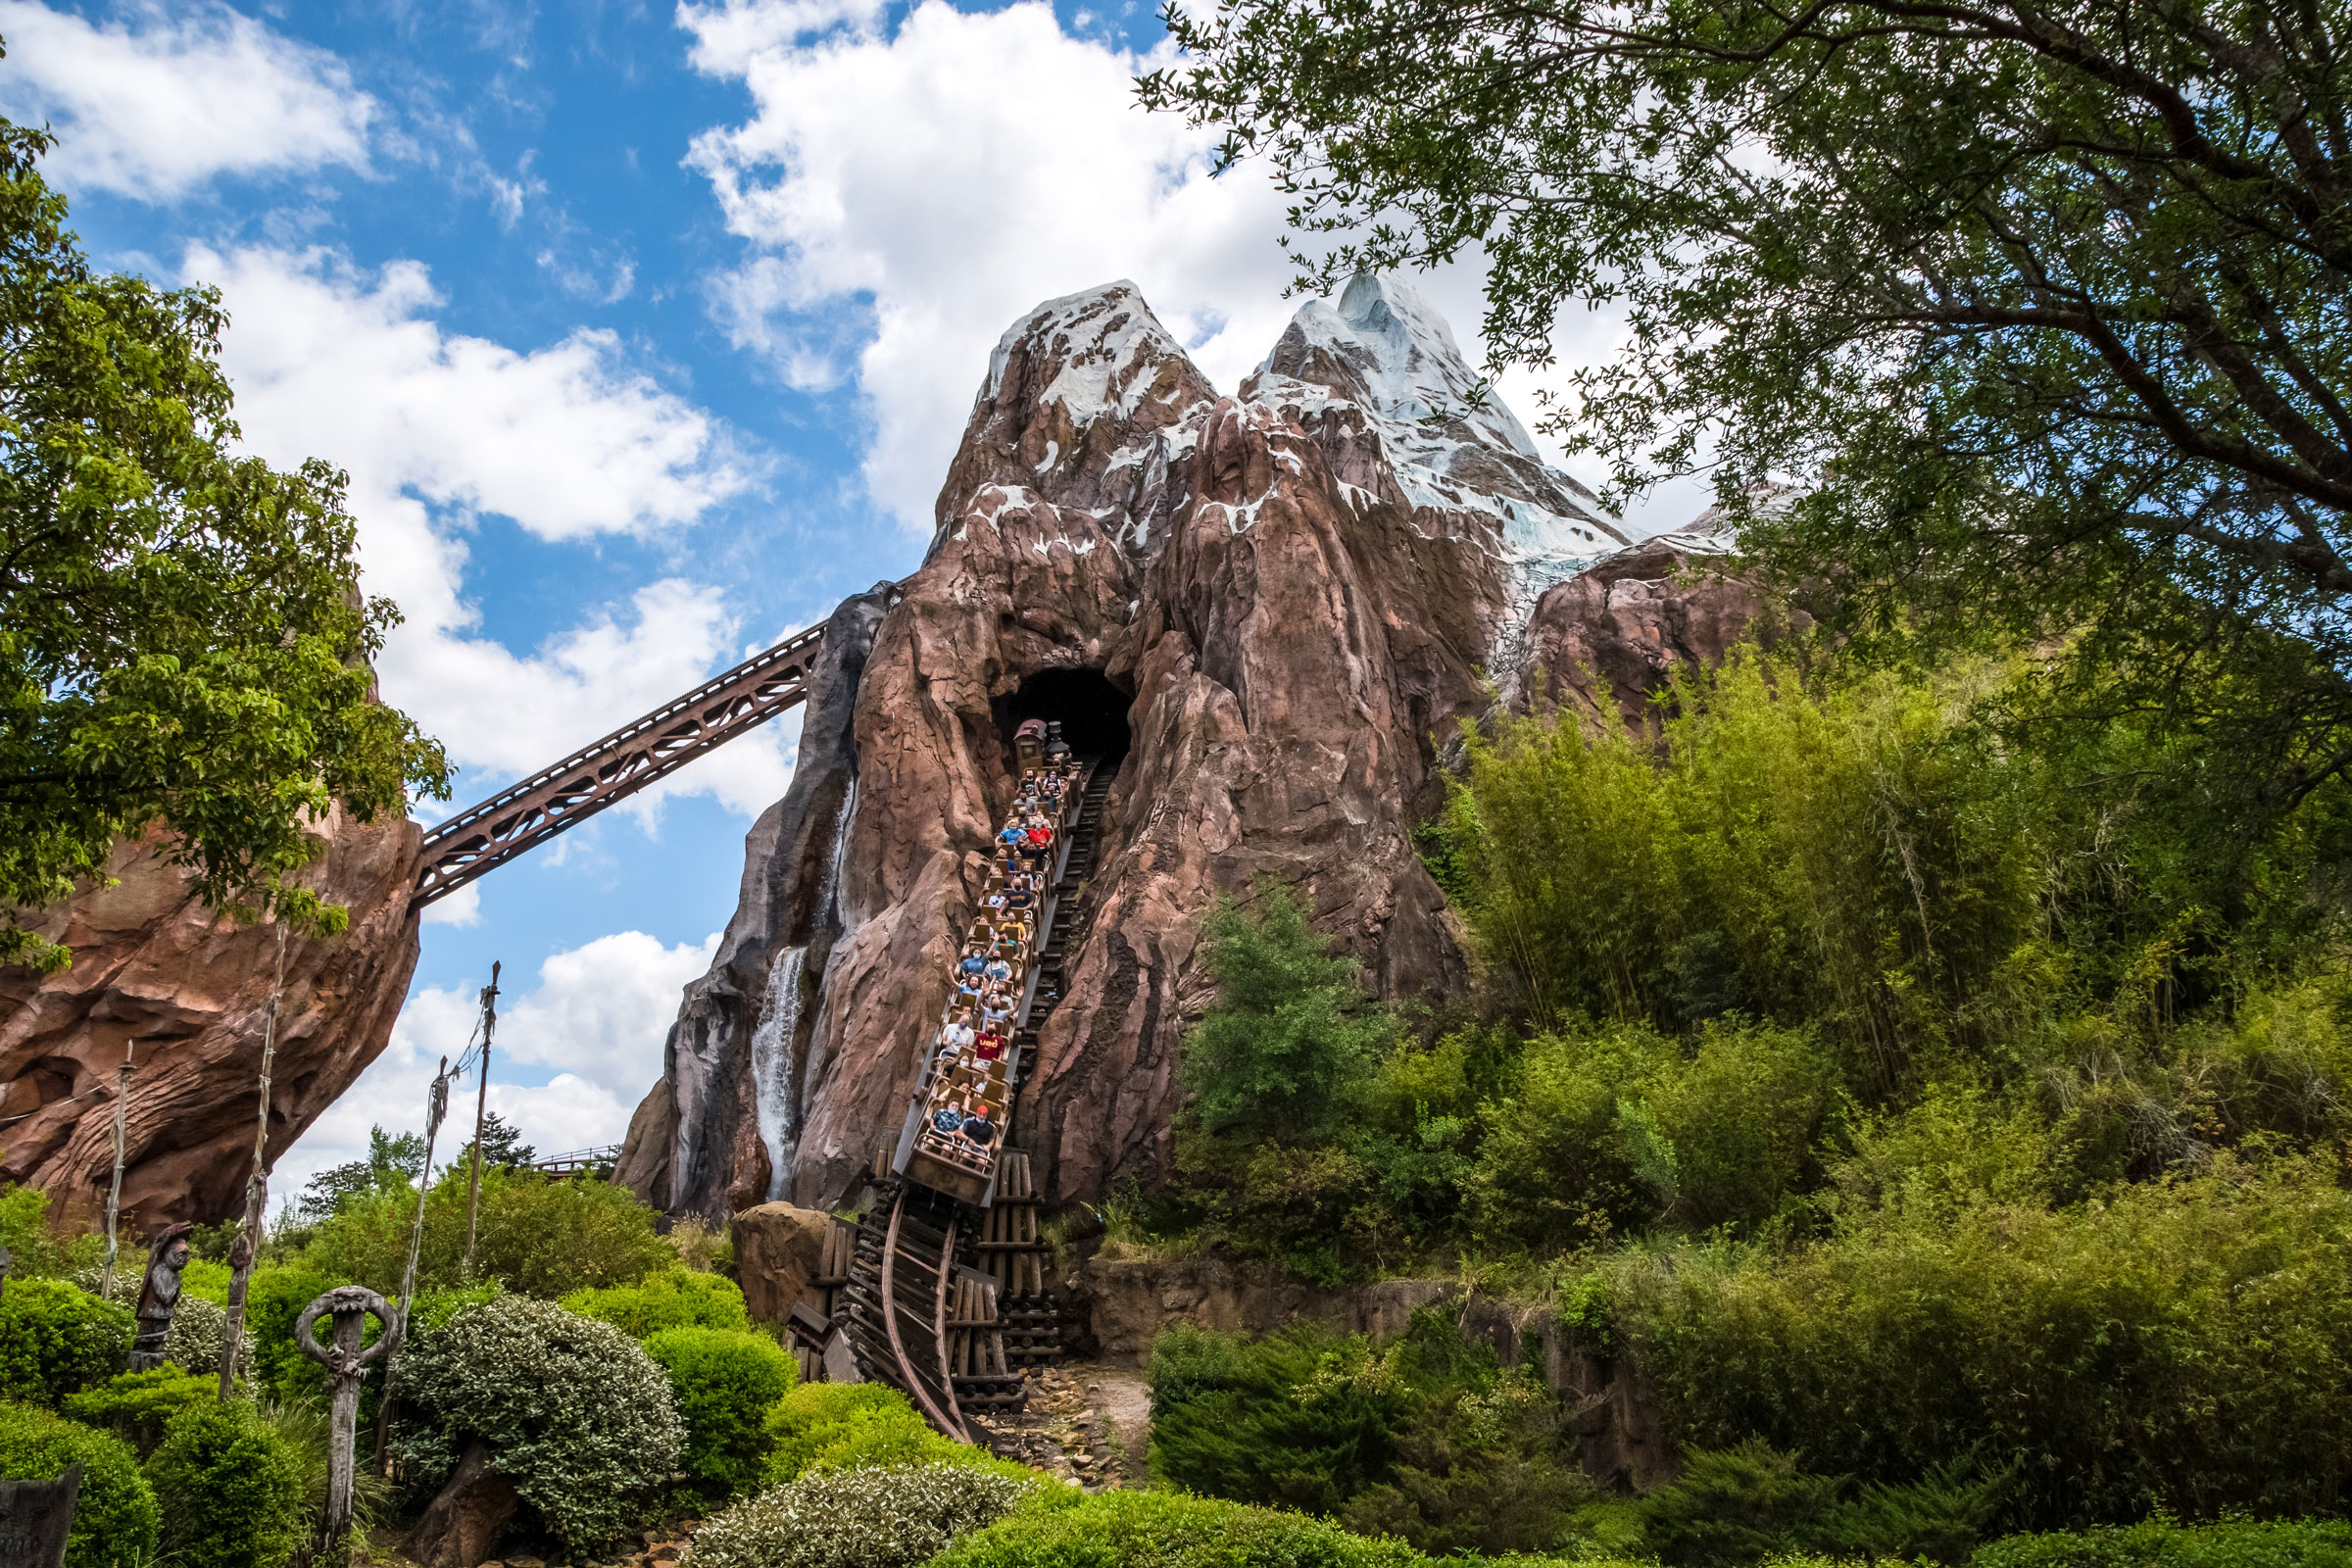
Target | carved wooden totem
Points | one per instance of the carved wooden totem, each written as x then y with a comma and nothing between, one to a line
159,1295
346,1363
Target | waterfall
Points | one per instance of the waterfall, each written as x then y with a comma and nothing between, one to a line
831,891
772,1063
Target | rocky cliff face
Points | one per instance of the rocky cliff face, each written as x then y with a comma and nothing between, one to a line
1267,610
1623,624
188,990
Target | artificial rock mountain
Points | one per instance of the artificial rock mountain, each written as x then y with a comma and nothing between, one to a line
189,989
1277,606
1279,603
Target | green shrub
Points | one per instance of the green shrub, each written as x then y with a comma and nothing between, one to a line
274,1296
1479,1469
1167,1530
842,1426
675,1299
538,1235
725,1380
57,1339
115,1519
1301,1418
1292,1030
575,1413
1424,1435
1734,1505
1612,1129
892,1516
136,1407
2163,1543
38,1248
231,1489
2188,1343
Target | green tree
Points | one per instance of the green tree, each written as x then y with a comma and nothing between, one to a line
183,646
2055,291
390,1161
1291,1031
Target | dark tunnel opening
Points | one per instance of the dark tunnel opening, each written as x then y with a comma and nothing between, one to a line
1090,711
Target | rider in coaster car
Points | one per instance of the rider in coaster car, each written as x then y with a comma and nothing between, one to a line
977,1129
998,970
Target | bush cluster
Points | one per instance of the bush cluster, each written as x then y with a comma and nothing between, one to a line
573,1412
673,1298
876,1516
136,1407
1425,1437
843,1426
1169,1529
57,1339
2189,1342
725,1381
538,1235
231,1489
116,1518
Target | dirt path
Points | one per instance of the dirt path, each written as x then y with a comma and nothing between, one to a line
1086,1422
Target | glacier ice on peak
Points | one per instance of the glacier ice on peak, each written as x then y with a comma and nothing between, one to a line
1113,336
1450,439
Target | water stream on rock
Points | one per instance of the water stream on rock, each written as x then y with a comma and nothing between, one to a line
771,1064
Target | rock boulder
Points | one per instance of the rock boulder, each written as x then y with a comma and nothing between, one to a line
187,990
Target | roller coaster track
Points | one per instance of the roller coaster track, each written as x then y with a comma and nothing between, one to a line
909,1301
486,835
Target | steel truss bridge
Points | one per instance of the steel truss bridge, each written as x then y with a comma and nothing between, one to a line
488,835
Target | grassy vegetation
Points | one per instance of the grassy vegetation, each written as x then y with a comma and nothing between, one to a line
1945,1113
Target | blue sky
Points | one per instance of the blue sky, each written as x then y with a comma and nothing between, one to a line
646,335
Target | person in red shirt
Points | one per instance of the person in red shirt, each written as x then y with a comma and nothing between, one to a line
991,1047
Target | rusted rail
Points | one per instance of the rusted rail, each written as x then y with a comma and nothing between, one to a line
529,813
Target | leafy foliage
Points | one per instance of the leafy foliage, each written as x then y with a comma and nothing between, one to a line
136,1407
2055,290
56,1340
115,1518
725,1381
891,1516
673,1298
2161,1542
38,1246
1425,1437
1290,1030
2183,1341
846,1426
390,1161
578,1418
538,1235
1169,1529
230,1487
182,643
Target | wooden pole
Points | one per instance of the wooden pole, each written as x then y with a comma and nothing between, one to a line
114,1192
436,1105
481,1102
257,1190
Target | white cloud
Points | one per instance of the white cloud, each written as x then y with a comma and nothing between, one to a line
460,908
600,1012
157,107
908,193
436,429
